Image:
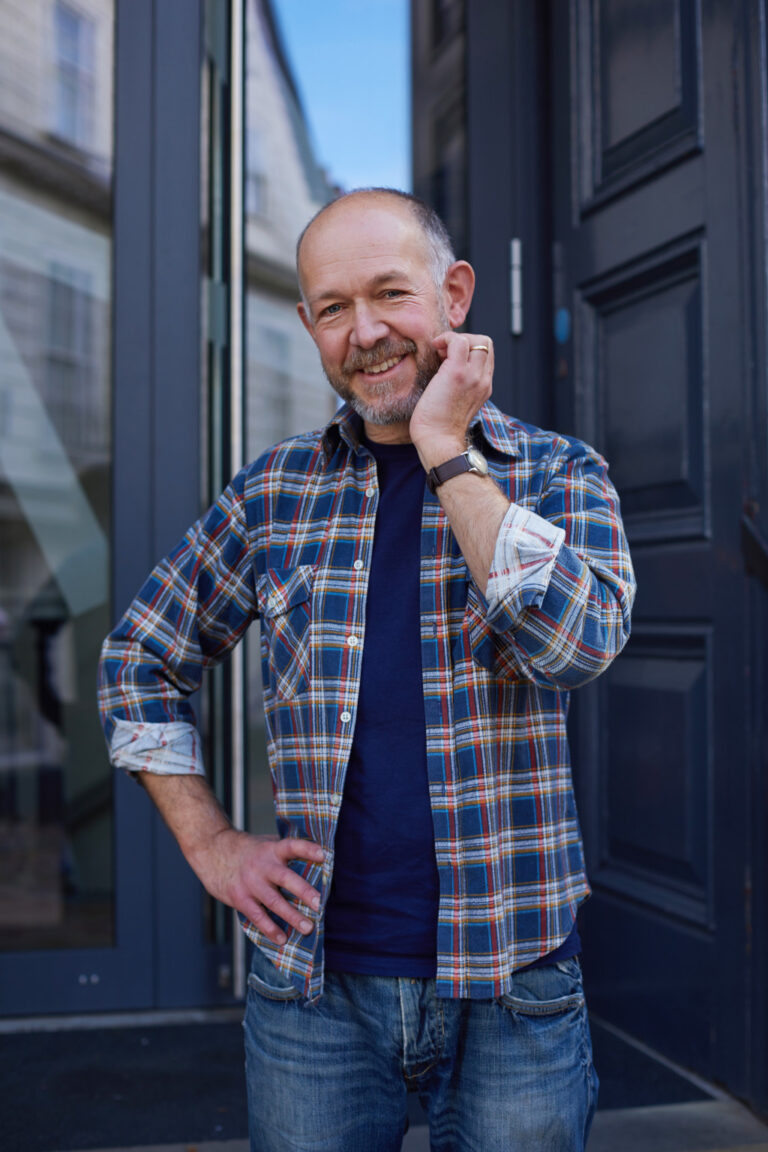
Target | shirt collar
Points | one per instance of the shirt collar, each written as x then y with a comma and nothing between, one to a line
346,426
489,428
493,429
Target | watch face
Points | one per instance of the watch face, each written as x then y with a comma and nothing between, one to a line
477,461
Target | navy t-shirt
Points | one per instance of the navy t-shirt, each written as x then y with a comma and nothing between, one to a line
381,916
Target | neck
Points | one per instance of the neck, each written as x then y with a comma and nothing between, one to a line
389,433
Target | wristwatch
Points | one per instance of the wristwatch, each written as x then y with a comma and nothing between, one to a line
469,461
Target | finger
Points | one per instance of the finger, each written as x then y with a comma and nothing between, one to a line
275,903
283,877
290,881
292,848
441,340
479,347
264,898
487,360
257,916
482,360
452,346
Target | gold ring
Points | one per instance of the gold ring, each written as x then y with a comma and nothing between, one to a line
479,348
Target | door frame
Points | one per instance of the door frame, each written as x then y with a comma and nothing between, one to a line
159,958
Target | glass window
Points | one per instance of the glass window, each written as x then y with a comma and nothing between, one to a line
285,390
255,175
284,185
56,829
74,75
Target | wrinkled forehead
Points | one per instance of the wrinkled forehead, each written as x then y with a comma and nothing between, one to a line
361,228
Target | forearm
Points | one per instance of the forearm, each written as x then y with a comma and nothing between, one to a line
191,811
249,873
475,507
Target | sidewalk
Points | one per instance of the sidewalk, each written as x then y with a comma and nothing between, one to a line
712,1126
136,1084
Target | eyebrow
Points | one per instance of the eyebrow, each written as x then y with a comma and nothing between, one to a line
376,282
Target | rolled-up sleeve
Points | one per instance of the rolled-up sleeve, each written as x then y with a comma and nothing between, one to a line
191,611
561,587
526,548
165,749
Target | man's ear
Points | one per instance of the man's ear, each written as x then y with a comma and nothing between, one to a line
458,290
305,319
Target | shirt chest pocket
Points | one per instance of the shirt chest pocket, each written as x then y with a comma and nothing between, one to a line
285,606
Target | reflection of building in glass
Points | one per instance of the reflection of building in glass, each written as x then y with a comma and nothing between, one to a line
56,77
74,75
439,112
284,187
286,391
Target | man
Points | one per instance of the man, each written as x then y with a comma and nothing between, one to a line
432,577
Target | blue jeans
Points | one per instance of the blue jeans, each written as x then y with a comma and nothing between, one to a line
493,1075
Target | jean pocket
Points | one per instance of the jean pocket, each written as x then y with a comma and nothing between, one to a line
550,990
267,980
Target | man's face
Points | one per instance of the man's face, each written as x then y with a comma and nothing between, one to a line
372,305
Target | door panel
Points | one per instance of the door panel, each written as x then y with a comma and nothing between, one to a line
648,245
638,84
641,332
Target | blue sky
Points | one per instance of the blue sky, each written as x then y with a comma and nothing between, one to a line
351,62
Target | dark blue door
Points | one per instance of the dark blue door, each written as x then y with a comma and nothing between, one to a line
651,242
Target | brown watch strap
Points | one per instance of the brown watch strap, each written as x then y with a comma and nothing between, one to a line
454,467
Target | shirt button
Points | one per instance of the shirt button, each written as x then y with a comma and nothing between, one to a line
370,491
358,564
336,797
346,717
352,641
272,602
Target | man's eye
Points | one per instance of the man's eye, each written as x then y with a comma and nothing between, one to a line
392,293
331,310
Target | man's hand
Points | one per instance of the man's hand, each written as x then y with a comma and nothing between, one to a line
453,397
246,872
474,505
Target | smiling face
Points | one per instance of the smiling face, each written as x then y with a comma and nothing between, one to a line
372,307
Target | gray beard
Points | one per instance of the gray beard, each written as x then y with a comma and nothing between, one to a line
397,410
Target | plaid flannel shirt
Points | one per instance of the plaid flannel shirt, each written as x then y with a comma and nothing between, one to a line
290,541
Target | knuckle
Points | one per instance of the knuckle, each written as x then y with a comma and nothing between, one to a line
260,920
274,901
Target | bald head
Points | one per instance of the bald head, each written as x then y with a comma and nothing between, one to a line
438,247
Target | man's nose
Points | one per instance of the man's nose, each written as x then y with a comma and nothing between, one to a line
368,327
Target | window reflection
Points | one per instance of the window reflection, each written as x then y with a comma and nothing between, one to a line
55,206
74,75
286,392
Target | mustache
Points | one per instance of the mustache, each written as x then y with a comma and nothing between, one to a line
384,350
